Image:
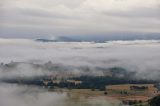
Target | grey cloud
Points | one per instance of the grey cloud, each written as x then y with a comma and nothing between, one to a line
139,56
40,13
79,17
139,12
29,96
32,96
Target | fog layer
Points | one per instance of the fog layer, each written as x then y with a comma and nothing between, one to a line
143,57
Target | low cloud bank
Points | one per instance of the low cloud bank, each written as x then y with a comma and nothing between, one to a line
16,95
142,57
31,59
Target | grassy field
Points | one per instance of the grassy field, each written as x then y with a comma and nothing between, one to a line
91,98
127,86
126,94
114,96
125,90
87,97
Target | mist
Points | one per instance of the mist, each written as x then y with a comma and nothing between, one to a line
141,56
22,58
18,95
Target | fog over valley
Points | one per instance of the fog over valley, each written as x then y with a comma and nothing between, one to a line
27,65
141,57
79,52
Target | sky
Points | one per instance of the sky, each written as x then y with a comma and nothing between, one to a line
43,18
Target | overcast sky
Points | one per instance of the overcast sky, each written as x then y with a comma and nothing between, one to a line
40,18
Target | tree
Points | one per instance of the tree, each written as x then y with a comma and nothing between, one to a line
130,102
105,93
155,101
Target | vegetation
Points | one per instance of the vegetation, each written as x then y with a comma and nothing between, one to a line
155,101
88,82
138,87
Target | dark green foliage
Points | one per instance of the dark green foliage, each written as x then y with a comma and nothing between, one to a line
138,87
130,103
88,82
92,82
105,93
155,101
